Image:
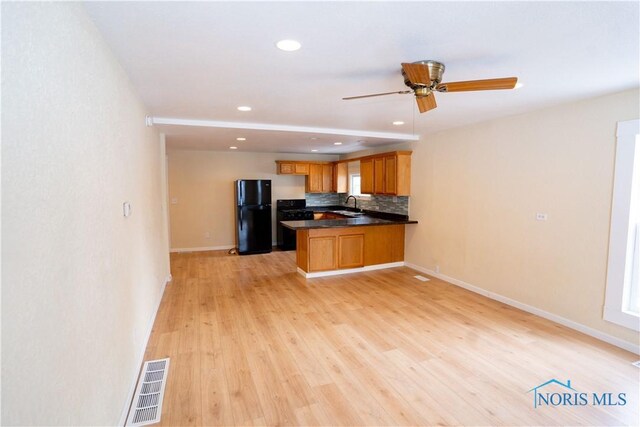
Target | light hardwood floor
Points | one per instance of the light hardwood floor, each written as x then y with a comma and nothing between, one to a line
251,342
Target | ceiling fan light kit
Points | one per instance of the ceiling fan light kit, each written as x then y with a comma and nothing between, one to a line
425,77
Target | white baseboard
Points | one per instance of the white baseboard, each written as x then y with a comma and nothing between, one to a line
533,310
203,248
349,270
209,248
132,387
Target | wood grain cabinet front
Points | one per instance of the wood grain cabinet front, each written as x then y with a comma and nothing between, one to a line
340,177
388,173
292,167
322,253
320,178
286,168
302,168
351,251
324,249
366,176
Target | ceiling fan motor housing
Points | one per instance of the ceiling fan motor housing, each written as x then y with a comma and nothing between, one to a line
436,69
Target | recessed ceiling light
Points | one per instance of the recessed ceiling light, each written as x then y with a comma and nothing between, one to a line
241,139
337,143
313,138
244,108
288,45
398,123
233,148
518,85
314,151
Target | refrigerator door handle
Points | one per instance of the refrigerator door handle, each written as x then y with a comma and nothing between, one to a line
240,218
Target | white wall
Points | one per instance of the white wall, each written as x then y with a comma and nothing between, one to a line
202,183
476,192
80,282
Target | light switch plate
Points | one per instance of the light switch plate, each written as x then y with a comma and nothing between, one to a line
126,209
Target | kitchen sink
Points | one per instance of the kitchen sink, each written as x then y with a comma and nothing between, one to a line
348,213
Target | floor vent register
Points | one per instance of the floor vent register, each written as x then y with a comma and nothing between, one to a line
147,402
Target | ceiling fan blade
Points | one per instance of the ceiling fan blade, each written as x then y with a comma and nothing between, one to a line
469,85
426,103
418,74
377,94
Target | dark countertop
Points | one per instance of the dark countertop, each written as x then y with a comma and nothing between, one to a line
370,218
372,214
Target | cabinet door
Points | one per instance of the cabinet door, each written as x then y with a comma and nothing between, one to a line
351,251
322,253
314,179
366,176
302,168
378,175
390,175
285,168
340,177
327,178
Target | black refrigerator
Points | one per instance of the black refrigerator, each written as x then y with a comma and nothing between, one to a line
253,216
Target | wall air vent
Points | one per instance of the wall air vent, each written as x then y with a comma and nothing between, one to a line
146,406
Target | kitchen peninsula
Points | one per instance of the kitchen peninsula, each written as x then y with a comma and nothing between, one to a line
352,242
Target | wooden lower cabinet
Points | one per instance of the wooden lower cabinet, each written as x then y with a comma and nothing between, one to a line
322,253
351,251
324,249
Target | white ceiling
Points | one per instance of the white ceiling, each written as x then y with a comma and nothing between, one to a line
200,60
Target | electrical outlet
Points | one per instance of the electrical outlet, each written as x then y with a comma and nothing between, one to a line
174,200
437,269
541,216
207,235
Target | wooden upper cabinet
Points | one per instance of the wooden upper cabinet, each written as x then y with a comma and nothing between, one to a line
390,175
378,175
292,167
403,174
302,168
286,168
366,176
320,178
327,178
386,173
340,177
314,179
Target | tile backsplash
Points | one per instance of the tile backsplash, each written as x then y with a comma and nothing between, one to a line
374,203
326,199
381,203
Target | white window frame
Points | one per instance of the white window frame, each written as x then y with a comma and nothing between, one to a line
622,235
358,195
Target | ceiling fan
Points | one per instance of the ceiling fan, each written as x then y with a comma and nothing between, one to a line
424,77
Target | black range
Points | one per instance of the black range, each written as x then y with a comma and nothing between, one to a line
290,210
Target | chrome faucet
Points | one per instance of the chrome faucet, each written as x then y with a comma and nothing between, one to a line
355,201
